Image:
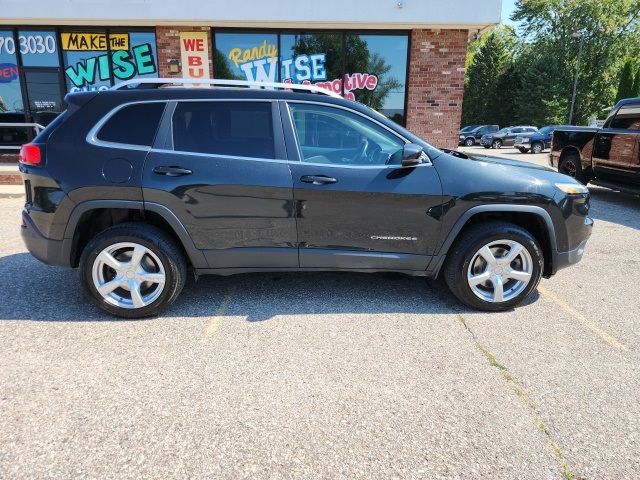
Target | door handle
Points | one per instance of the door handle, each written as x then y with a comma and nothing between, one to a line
172,171
317,179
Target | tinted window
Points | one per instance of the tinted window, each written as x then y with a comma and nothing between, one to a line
240,129
628,117
133,125
337,136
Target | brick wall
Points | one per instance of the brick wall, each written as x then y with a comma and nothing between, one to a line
436,85
168,42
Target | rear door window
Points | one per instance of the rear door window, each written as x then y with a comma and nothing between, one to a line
628,117
229,128
133,125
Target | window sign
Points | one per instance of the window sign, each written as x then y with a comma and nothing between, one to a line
10,93
368,68
92,58
38,48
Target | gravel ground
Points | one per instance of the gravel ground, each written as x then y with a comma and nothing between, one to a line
326,375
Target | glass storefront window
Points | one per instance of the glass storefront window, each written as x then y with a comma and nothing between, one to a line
376,72
371,69
312,58
246,56
138,60
38,48
87,63
10,93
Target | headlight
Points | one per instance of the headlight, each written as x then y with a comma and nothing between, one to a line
572,188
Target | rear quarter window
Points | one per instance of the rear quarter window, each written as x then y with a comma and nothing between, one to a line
133,125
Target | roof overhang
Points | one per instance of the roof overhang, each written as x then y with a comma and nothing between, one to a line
469,15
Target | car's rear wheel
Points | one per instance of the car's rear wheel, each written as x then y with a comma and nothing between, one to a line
494,266
469,142
537,147
572,166
133,270
496,144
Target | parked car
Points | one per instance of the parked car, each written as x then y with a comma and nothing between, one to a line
14,136
143,185
470,135
505,137
608,154
535,142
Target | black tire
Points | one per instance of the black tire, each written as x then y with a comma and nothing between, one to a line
469,242
572,166
496,144
165,248
469,142
487,147
522,150
537,147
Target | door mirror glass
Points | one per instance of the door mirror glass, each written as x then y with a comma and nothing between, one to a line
411,155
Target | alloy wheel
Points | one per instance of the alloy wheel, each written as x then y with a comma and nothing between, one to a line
500,271
128,275
536,148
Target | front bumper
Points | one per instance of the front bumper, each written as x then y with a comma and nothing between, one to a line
566,259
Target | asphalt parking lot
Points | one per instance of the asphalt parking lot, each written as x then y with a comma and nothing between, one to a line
326,375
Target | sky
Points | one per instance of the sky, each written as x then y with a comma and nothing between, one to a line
508,6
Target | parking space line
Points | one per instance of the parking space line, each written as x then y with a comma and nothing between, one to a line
214,323
588,324
522,394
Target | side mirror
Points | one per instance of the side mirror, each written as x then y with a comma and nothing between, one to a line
411,155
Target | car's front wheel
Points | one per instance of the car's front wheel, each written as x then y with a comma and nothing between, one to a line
494,266
496,144
522,150
469,142
537,147
133,270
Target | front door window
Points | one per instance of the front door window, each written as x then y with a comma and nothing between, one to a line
335,136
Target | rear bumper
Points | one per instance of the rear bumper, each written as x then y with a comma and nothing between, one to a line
51,252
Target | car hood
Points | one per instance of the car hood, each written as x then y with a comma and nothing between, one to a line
508,162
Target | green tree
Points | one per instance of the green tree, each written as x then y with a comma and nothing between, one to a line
626,85
610,31
636,85
482,94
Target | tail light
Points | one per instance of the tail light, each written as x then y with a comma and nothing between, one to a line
30,154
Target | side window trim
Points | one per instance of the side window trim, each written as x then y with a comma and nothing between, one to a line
292,139
167,145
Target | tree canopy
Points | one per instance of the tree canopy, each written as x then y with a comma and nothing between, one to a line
535,80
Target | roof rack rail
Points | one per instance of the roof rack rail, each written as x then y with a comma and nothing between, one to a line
158,82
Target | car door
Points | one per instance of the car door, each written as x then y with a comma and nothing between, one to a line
220,167
510,137
356,206
616,150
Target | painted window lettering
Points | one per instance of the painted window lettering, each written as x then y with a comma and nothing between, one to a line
92,60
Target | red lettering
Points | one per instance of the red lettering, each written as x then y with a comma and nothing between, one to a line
372,82
194,61
196,73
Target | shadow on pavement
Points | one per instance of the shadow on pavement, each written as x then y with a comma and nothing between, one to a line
36,292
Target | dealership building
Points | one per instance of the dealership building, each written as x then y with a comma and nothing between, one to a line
406,58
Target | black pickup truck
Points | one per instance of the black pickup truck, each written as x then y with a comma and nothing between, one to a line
609,156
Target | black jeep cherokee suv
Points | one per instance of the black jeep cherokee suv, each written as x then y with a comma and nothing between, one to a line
134,186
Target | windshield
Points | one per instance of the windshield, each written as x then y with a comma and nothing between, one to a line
547,129
468,128
503,130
